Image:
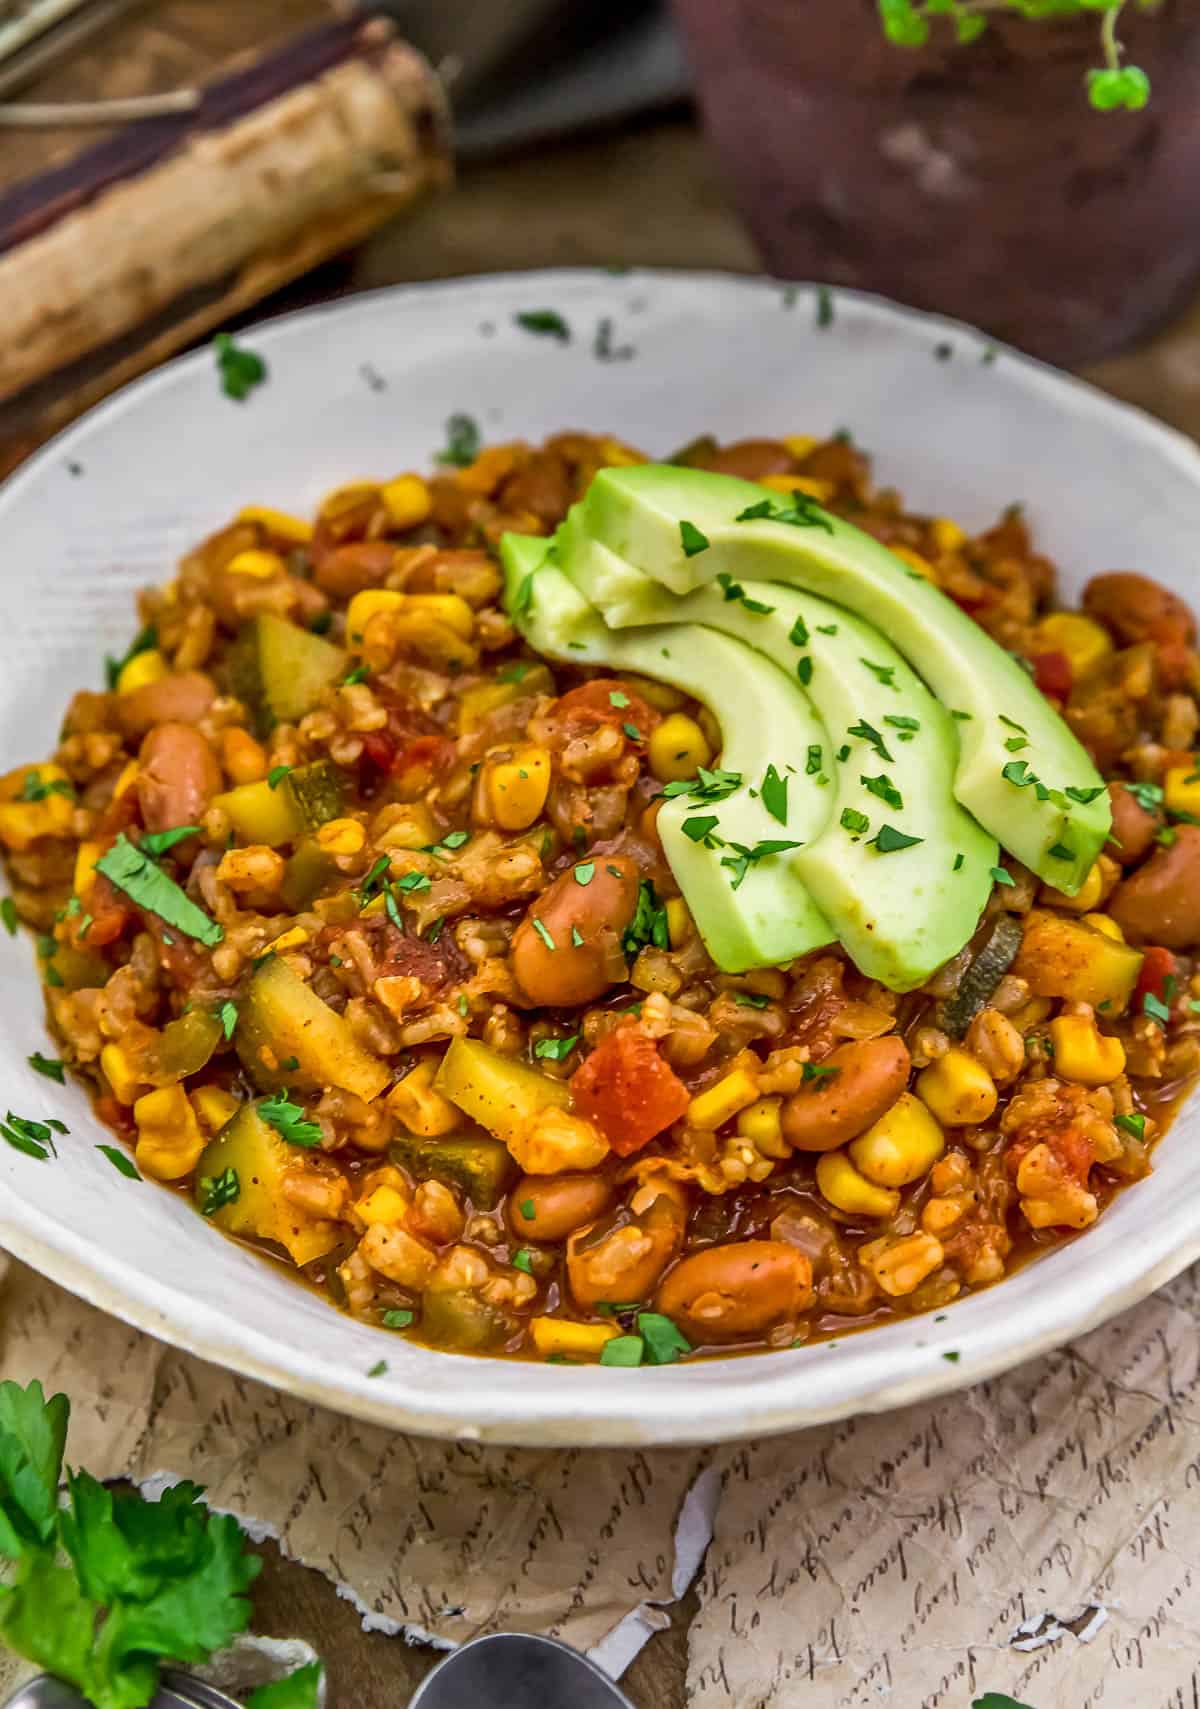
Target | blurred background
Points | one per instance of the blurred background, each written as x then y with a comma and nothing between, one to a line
172,167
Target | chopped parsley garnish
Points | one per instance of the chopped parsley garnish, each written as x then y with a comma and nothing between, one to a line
544,323
463,1005
706,785
618,699
1149,796
649,922
812,764
217,1191
819,1071
516,672
632,731
663,1341
961,716
1012,724
774,794
51,1066
1014,744
825,310
143,642
121,1162
371,883
799,511
131,871
400,1318
886,674
414,882
158,843
276,775
958,862
700,827
750,999
623,1350
1134,1124
240,369
289,1121
462,442
289,1064
523,1260
9,915
360,673
890,840
1018,772
33,789
885,789
899,722
523,598
691,539
868,733
735,591
1154,1006
35,1139
585,872
1002,875
804,670
1166,836
798,634
827,628
951,1358
1083,796
378,1369
743,858
555,1050
576,937
543,932
854,821
1060,851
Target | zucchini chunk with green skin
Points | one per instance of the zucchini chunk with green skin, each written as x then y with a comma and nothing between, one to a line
749,915
476,1163
1061,957
502,1095
455,1317
260,1158
901,871
988,966
185,1046
308,796
281,671
282,1020
308,871
637,513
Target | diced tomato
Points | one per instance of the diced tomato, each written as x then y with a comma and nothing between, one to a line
627,1090
417,764
1071,1147
1052,673
106,915
379,749
606,700
1157,967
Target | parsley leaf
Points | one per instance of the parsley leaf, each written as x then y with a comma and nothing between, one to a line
544,323
804,670
743,858
9,915
462,442
132,872
50,1066
854,821
556,1049
276,775
750,999
886,674
289,1121
812,764
890,840
692,540
664,1342
156,843
543,932
227,1014
774,793
868,733
649,922
121,1162
623,1350
700,827
1001,875
883,787
1083,796
1133,1123
399,1319
240,369
301,1689
219,1190
522,1260
800,511
819,1071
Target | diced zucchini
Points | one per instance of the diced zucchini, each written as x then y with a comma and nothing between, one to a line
308,871
301,801
1061,957
281,670
186,1045
501,1095
283,1020
482,699
260,1159
477,1164
77,969
455,1317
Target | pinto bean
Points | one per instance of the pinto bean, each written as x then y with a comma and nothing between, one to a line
180,698
834,1109
344,571
1160,902
751,459
1133,828
550,966
619,1261
728,1293
1137,609
559,1204
178,776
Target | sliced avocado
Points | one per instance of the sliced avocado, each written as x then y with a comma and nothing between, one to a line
752,913
900,909
281,670
1035,810
259,1210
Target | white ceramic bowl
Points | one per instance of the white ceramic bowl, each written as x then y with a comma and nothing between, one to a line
364,388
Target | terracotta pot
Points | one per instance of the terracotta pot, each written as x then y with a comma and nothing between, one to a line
975,180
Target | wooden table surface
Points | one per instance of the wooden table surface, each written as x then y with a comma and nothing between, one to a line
649,195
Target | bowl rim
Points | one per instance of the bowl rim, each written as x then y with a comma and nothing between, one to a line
631,1410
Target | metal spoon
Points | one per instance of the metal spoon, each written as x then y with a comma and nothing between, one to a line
516,1670
177,1691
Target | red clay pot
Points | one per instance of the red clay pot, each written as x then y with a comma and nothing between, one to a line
974,180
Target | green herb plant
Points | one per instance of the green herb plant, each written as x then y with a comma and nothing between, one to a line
1111,86
106,1588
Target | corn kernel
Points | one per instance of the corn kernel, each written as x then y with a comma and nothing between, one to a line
169,1137
1084,1054
822,491
119,1071
553,1335
914,561
258,564
448,608
847,1190
293,530
1106,924
709,1110
676,748
214,1107
1181,788
958,1089
244,759
511,793
901,1146
761,1124
947,535
382,1204
146,667
493,464
409,826
291,939
1087,898
125,780
679,921
407,500
86,857
801,445
341,836
900,1266
23,822
342,501
364,605
1085,642
422,1110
